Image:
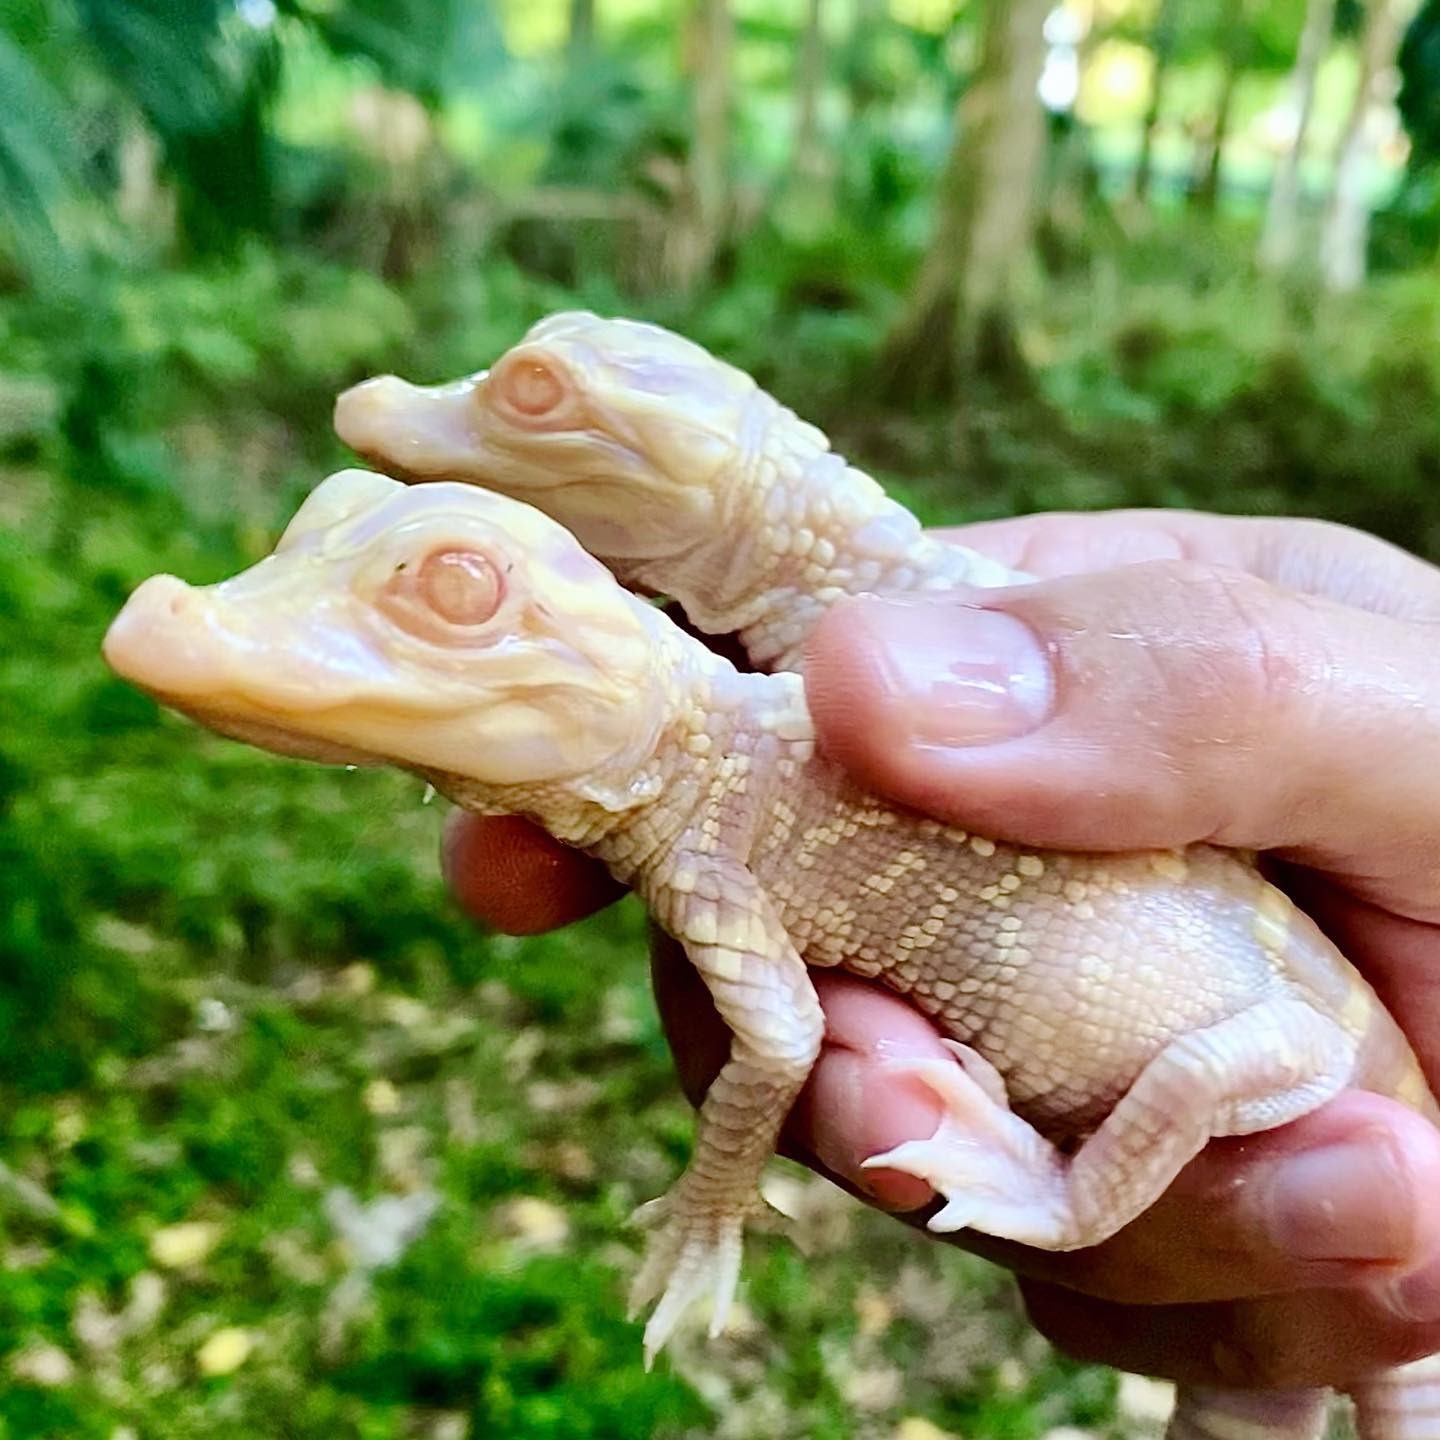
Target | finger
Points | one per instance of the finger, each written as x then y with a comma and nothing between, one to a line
513,877
1341,1198
1315,557
1320,1337
1398,956
1150,706
854,1105
698,1038
1338,1198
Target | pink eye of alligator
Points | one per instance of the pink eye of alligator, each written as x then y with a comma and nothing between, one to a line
448,590
531,388
460,586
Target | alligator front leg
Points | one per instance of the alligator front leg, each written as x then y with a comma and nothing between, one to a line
717,910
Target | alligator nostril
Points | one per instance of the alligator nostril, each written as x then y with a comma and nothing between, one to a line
149,641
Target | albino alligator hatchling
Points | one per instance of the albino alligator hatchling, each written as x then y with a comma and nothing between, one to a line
672,467
1109,1013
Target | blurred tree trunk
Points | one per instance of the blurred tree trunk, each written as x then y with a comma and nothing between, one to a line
141,198
807,156
1235,45
1282,211
958,320
704,208
1345,228
861,87
1162,47
582,28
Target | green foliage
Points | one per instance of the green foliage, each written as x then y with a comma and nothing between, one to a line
1195,32
1407,232
1224,393
203,76
203,81
40,163
431,48
1419,97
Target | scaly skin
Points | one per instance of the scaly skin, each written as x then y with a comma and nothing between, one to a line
465,637
672,467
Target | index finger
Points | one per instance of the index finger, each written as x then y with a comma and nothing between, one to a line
1315,557
513,877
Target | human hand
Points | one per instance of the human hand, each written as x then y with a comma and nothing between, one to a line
1261,684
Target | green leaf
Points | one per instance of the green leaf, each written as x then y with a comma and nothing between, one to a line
431,48
203,79
39,160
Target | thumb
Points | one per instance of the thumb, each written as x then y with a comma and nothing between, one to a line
1149,706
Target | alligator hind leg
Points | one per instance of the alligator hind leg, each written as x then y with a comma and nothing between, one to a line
1205,1414
1263,1067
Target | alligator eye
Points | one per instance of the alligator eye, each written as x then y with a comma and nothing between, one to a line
530,387
460,586
449,593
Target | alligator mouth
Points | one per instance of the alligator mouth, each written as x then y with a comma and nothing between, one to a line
412,432
265,734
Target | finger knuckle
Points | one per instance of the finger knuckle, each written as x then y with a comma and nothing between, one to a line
1326,558
1335,1338
1230,667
